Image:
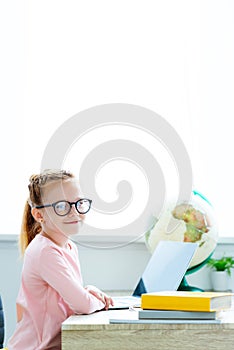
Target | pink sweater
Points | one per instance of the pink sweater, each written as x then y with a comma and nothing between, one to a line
51,290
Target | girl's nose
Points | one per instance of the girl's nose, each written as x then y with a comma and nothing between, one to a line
73,210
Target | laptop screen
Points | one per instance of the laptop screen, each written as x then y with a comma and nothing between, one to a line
166,267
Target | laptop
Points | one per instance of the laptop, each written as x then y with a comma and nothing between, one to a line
164,272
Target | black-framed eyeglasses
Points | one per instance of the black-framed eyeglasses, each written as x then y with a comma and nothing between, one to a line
63,208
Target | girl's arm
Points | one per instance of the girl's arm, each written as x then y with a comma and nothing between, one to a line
66,280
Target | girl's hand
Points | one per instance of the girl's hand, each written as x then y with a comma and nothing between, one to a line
106,299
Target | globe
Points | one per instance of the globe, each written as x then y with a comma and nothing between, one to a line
187,221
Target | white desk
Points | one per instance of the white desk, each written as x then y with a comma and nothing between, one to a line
95,332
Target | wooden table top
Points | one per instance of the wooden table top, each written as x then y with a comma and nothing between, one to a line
101,320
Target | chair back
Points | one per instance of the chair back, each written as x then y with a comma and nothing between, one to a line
1,324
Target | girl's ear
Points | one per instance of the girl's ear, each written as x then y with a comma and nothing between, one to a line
36,213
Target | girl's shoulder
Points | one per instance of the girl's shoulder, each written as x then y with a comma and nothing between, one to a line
42,245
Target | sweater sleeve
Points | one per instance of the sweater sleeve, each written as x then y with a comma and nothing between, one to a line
60,273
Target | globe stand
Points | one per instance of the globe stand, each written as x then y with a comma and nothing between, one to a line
184,286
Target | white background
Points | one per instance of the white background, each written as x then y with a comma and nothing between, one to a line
61,57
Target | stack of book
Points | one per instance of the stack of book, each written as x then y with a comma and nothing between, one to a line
181,307
184,305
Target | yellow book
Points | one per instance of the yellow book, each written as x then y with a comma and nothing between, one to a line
186,301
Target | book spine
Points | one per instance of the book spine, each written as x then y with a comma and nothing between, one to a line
174,303
164,314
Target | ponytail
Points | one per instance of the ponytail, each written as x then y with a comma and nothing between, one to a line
29,228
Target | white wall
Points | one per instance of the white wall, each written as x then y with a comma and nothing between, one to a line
109,269
10,268
172,57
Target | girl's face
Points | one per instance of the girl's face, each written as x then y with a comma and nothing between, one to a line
69,224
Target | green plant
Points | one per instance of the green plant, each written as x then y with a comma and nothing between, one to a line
226,263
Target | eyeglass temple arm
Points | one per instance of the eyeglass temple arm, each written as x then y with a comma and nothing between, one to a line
43,206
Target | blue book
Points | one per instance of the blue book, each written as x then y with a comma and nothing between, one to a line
174,314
